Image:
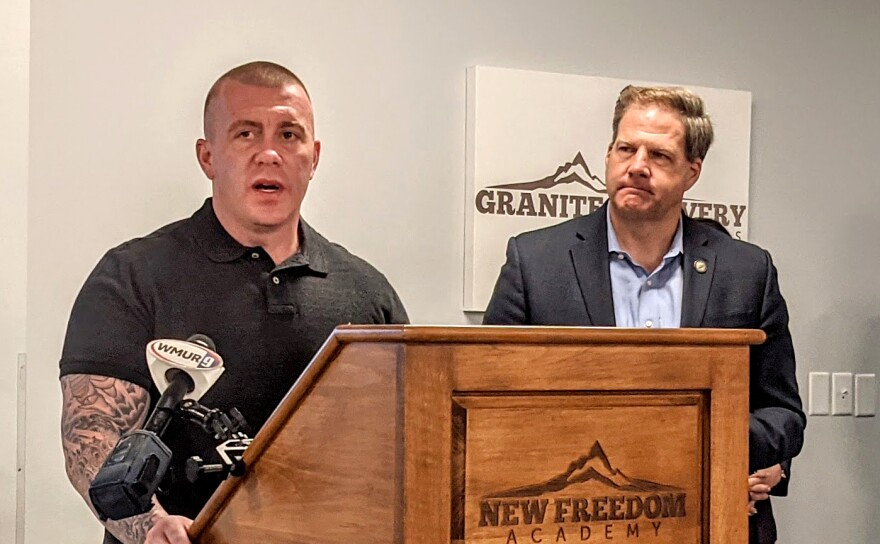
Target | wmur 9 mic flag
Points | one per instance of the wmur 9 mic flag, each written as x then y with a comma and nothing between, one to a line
198,361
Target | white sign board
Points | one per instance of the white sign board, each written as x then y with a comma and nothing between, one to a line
536,157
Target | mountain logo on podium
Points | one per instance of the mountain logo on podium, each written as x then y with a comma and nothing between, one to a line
576,172
591,494
592,467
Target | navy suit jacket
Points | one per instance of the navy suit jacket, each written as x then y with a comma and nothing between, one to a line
560,276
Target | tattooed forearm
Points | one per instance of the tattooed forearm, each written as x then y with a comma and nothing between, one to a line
97,411
131,530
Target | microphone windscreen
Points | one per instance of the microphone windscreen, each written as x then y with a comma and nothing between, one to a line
203,340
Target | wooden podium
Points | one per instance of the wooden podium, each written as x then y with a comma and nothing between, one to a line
501,435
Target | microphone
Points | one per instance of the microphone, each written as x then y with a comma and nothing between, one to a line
180,370
130,476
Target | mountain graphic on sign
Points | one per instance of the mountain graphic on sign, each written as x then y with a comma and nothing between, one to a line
575,171
593,467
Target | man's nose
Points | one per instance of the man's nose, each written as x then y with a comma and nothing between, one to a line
639,164
268,155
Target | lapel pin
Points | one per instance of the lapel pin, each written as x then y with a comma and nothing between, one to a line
700,266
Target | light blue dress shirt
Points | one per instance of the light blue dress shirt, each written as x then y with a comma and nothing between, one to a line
641,299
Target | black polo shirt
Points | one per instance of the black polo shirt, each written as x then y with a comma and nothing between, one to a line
267,321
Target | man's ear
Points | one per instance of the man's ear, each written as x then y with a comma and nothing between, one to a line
205,157
695,168
317,157
608,153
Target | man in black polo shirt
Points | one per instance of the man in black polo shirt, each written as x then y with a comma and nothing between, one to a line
244,270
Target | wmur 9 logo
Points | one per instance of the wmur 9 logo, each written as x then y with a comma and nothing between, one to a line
207,362
183,354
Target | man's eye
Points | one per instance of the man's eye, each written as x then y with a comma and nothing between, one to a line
245,134
288,135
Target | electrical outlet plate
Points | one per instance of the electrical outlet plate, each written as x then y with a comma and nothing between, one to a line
842,394
820,394
866,395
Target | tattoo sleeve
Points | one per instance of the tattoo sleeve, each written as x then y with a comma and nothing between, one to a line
96,412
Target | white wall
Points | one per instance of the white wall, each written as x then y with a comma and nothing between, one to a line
116,91
14,48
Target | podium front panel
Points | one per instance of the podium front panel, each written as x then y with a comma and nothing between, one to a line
580,467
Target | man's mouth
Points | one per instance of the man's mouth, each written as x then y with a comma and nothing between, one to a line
267,186
636,189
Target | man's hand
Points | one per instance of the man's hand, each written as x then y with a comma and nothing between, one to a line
760,484
168,529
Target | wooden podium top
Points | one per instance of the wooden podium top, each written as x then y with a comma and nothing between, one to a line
538,335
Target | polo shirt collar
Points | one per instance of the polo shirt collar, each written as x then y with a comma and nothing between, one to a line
311,252
221,247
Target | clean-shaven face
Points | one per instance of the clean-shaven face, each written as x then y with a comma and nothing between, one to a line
260,153
646,167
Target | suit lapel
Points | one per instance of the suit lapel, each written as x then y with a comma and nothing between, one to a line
590,258
699,270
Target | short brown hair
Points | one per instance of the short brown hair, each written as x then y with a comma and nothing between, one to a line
698,132
260,73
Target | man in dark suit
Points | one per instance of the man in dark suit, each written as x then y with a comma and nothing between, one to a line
640,262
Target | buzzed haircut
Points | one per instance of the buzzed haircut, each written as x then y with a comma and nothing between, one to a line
259,73
698,132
